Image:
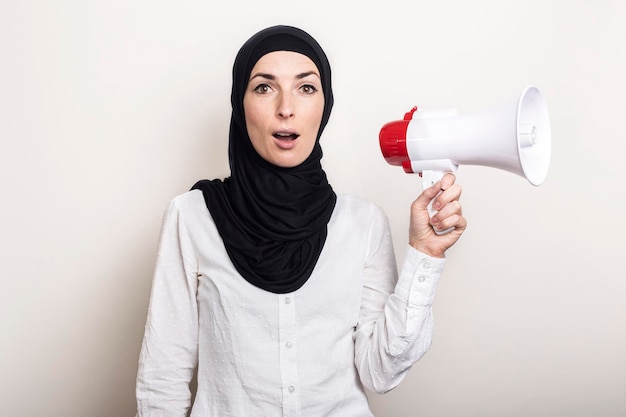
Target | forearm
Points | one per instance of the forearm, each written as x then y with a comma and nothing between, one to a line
387,346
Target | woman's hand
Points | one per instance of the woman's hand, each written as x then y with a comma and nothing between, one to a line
448,214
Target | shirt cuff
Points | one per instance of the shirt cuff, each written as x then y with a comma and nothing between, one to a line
419,277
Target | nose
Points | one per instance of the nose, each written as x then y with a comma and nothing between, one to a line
285,106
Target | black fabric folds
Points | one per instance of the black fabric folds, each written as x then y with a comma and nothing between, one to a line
273,220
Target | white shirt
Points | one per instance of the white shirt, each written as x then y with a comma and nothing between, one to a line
353,325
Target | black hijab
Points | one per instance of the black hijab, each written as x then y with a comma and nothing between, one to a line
273,220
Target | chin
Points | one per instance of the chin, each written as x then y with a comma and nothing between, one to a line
286,162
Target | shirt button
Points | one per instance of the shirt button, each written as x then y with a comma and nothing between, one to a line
421,278
287,300
288,345
426,265
291,388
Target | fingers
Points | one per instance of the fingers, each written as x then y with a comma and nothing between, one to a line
447,180
450,191
450,216
444,201
445,195
449,212
431,192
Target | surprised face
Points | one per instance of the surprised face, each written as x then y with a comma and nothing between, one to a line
283,106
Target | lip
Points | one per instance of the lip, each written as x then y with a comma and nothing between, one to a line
285,139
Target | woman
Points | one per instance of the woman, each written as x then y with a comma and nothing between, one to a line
284,295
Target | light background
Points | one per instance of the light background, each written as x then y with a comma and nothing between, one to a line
109,108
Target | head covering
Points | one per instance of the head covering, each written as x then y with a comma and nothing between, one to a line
272,220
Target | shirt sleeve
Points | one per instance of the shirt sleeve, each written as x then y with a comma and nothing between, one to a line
396,322
170,345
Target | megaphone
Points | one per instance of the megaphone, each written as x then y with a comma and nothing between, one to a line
514,137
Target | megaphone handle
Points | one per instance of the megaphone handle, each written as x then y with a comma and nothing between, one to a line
430,178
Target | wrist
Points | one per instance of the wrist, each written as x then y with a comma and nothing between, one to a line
428,250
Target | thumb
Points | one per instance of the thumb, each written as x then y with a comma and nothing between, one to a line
427,195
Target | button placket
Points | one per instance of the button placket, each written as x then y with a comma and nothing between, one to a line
288,359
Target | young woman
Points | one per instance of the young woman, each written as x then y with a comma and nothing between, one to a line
284,295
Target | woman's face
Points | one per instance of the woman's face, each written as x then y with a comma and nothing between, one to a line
283,106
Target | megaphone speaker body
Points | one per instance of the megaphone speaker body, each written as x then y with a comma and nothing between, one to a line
514,137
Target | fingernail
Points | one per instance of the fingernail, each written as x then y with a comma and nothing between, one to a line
436,205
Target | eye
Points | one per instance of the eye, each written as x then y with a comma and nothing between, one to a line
262,88
308,89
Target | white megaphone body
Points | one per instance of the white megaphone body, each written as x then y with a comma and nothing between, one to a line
514,137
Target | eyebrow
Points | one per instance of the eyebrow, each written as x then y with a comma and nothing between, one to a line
272,77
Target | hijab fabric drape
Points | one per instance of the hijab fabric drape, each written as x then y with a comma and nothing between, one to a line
272,220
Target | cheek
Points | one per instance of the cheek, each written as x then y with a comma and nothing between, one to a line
313,111
255,137
316,122
320,113
252,121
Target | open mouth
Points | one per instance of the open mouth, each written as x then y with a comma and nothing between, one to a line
286,136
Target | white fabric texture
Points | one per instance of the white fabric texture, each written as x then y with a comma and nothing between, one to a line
354,325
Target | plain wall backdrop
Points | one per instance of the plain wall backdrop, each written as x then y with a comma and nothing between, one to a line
110,108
